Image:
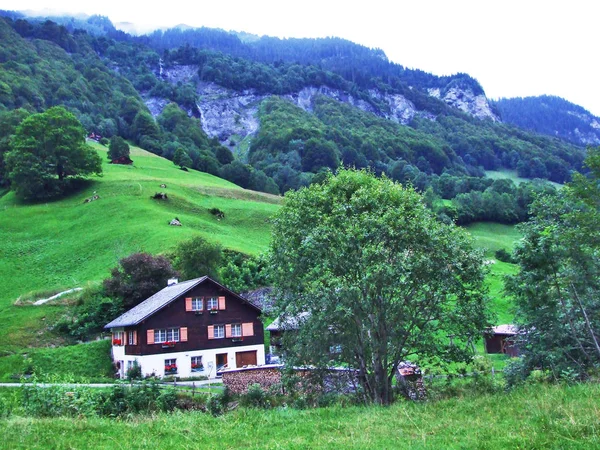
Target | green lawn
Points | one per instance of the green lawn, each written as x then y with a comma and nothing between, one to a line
534,417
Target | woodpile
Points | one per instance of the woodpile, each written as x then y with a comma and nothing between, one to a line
409,380
341,381
238,381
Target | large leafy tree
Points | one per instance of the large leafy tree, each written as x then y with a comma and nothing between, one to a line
137,277
364,269
9,121
197,258
47,150
557,289
118,148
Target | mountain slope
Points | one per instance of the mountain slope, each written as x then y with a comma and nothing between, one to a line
50,247
553,116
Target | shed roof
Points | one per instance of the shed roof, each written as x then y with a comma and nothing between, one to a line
291,323
161,299
508,329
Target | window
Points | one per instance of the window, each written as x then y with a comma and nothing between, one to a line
219,331
197,365
131,338
119,338
236,330
170,366
129,365
212,303
166,335
197,304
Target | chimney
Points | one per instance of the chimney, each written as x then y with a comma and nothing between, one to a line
172,281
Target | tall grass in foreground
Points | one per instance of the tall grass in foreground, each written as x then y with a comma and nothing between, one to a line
539,416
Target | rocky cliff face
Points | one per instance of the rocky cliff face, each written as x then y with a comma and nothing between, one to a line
466,101
590,137
232,116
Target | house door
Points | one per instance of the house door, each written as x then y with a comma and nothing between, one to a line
245,359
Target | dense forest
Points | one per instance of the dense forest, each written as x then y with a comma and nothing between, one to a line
106,78
553,116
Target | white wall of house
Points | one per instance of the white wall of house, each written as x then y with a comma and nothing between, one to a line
155,364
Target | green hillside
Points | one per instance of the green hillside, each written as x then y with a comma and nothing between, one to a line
50,247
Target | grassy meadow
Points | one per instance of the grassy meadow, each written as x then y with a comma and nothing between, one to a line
512,175
532,417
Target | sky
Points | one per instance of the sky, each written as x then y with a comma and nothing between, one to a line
513,48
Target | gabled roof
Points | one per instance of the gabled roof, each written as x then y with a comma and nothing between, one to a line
161,299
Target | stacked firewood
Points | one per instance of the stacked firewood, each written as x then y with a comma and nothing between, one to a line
238,381
409,380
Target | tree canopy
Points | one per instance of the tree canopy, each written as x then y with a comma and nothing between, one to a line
46,151
137,277
557,288
364,267
118,148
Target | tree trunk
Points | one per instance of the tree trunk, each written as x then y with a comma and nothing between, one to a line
587,320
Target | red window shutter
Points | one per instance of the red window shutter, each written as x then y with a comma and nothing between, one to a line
188,303
183,334
221,303
211,332
134,337
150,336
228,330
248,329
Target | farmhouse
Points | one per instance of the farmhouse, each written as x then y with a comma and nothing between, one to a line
502,340
192,328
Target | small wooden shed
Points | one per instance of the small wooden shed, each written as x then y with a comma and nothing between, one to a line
501,339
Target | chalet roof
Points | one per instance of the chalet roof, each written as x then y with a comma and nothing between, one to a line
161,299
508,329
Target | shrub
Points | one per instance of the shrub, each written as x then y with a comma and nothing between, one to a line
217,404
515,373
255,397
504,256
134,372
87,318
